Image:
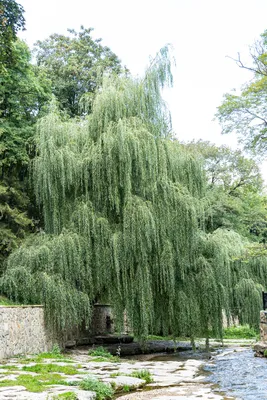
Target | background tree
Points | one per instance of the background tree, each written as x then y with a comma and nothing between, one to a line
246,113
23,92
11,21
75,64
67,66
235,191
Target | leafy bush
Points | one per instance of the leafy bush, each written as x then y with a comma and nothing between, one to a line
56,351
239,332
102,390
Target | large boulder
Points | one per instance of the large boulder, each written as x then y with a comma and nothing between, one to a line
260,349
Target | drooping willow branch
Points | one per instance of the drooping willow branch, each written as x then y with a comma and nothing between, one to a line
122,205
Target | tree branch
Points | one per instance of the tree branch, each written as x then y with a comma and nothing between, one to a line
256,116
241,65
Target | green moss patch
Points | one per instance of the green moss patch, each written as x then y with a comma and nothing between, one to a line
65,396
36,383
48,356
50,368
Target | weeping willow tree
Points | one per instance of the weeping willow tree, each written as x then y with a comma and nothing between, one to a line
122,204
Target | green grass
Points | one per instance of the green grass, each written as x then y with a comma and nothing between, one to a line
36,383
46,375
234,332
155,337
51,368
45,356
4,301
8,373
66,396
239,332
114,374
100,354
142,374
102,390
10,367
54,354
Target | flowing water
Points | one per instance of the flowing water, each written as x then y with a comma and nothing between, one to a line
240,374
237,373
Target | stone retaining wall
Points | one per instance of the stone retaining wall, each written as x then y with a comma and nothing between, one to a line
22,331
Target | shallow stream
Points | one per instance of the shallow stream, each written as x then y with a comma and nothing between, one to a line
240,374
236,372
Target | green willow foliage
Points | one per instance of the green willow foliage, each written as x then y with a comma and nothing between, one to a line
123,204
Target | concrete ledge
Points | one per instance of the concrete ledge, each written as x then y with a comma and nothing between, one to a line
21,306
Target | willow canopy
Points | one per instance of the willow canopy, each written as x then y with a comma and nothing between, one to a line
123,206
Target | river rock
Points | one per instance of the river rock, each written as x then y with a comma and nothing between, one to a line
260,348
18,394
85,395
131,382
188,392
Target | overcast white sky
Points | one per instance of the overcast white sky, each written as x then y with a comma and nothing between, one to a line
203,33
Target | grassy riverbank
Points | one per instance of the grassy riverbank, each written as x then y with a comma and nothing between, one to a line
233,332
